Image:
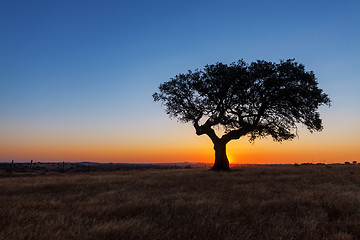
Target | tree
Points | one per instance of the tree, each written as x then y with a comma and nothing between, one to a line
256,100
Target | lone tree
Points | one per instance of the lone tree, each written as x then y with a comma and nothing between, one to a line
256,100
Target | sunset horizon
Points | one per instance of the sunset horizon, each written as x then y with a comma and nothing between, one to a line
76,80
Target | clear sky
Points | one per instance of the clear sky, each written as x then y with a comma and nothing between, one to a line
77,77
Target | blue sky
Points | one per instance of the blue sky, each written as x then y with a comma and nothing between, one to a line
87,69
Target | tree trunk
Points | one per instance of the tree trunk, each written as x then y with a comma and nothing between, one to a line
221,160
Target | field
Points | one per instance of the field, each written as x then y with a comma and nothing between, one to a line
266,202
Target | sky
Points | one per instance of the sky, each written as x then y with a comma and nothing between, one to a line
77,77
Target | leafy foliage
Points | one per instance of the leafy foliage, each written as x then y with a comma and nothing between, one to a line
258,99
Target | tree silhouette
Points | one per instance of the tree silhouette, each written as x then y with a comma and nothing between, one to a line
256,100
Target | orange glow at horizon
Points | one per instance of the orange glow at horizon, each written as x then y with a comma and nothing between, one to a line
238,152
185,147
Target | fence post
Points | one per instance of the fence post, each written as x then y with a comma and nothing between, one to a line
12,166
63,166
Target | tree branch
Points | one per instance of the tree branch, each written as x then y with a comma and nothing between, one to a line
206,129
260,113
235,134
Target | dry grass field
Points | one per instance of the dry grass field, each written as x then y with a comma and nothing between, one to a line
270,202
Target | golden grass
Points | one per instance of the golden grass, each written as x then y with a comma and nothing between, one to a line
275,202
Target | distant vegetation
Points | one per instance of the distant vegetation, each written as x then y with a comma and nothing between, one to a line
266,202
48,167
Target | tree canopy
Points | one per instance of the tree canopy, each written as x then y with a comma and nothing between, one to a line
258,100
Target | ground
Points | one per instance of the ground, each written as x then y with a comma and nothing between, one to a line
266,202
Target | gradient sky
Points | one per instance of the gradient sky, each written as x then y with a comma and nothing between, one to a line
77,77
